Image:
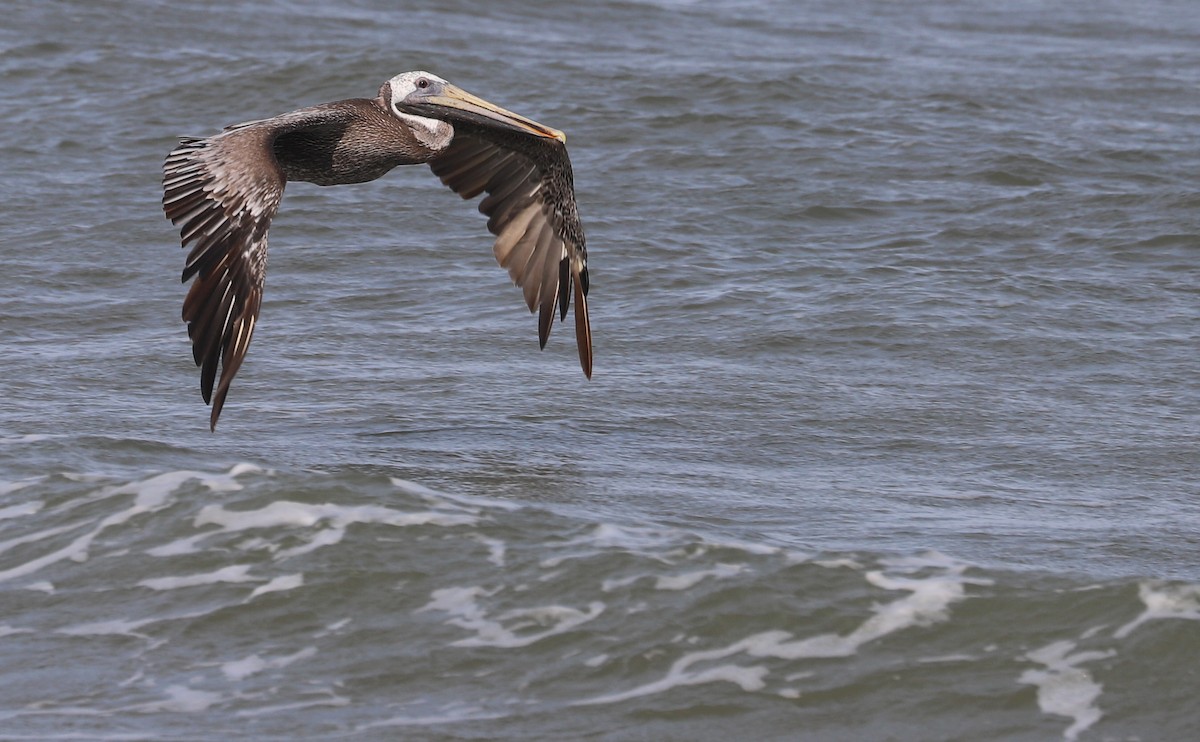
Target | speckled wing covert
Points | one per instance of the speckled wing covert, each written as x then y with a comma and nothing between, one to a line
531,210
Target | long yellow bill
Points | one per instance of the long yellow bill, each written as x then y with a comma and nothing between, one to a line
454,97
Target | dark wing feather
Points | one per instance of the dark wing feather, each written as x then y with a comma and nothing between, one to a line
223,192
531,210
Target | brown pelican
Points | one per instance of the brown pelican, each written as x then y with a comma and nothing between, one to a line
224,190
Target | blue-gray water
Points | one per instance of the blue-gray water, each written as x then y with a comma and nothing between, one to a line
893,434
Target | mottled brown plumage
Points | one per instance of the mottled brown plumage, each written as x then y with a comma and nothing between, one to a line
223,192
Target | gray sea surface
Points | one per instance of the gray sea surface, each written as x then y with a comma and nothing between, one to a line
893,435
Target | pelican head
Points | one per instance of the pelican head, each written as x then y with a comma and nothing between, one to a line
426,95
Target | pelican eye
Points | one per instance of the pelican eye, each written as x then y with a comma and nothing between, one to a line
422,83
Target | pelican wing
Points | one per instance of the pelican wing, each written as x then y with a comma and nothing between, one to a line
223,192
531,209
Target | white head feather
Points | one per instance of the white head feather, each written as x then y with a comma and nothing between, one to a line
432,133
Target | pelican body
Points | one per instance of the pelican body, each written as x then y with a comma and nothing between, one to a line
223,191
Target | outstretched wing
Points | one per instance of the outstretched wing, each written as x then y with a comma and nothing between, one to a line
223,192
531,210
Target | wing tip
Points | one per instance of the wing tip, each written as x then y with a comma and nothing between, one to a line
545,322
583,329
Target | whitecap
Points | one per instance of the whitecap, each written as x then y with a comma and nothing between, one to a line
616,583
20,509
331,700
596,661
748,678
182,699
1062,688
105,628
457,714
187,545
278,584
946,659
844,562
334,627
928,602
127,627
35,537
285,514
690,579
496,548
232,573
469,503
254,664
644,540
461,603
1164,601
150,495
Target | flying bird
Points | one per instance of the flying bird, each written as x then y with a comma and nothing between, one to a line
222,191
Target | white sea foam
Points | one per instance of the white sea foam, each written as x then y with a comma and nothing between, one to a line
331,700
21,509
254,664
690,579
1089,633
278,584
150,495
616,583
1062,688
496,549
947,658
182,699
844,562
34,537
752,547
643,540
456,714
750,678
186,545
928,602
334,627
127,627
104,628
470,503
1164,601
76,550
232,573
461,603
335,519
681,581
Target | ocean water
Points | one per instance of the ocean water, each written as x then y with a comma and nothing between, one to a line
893,434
